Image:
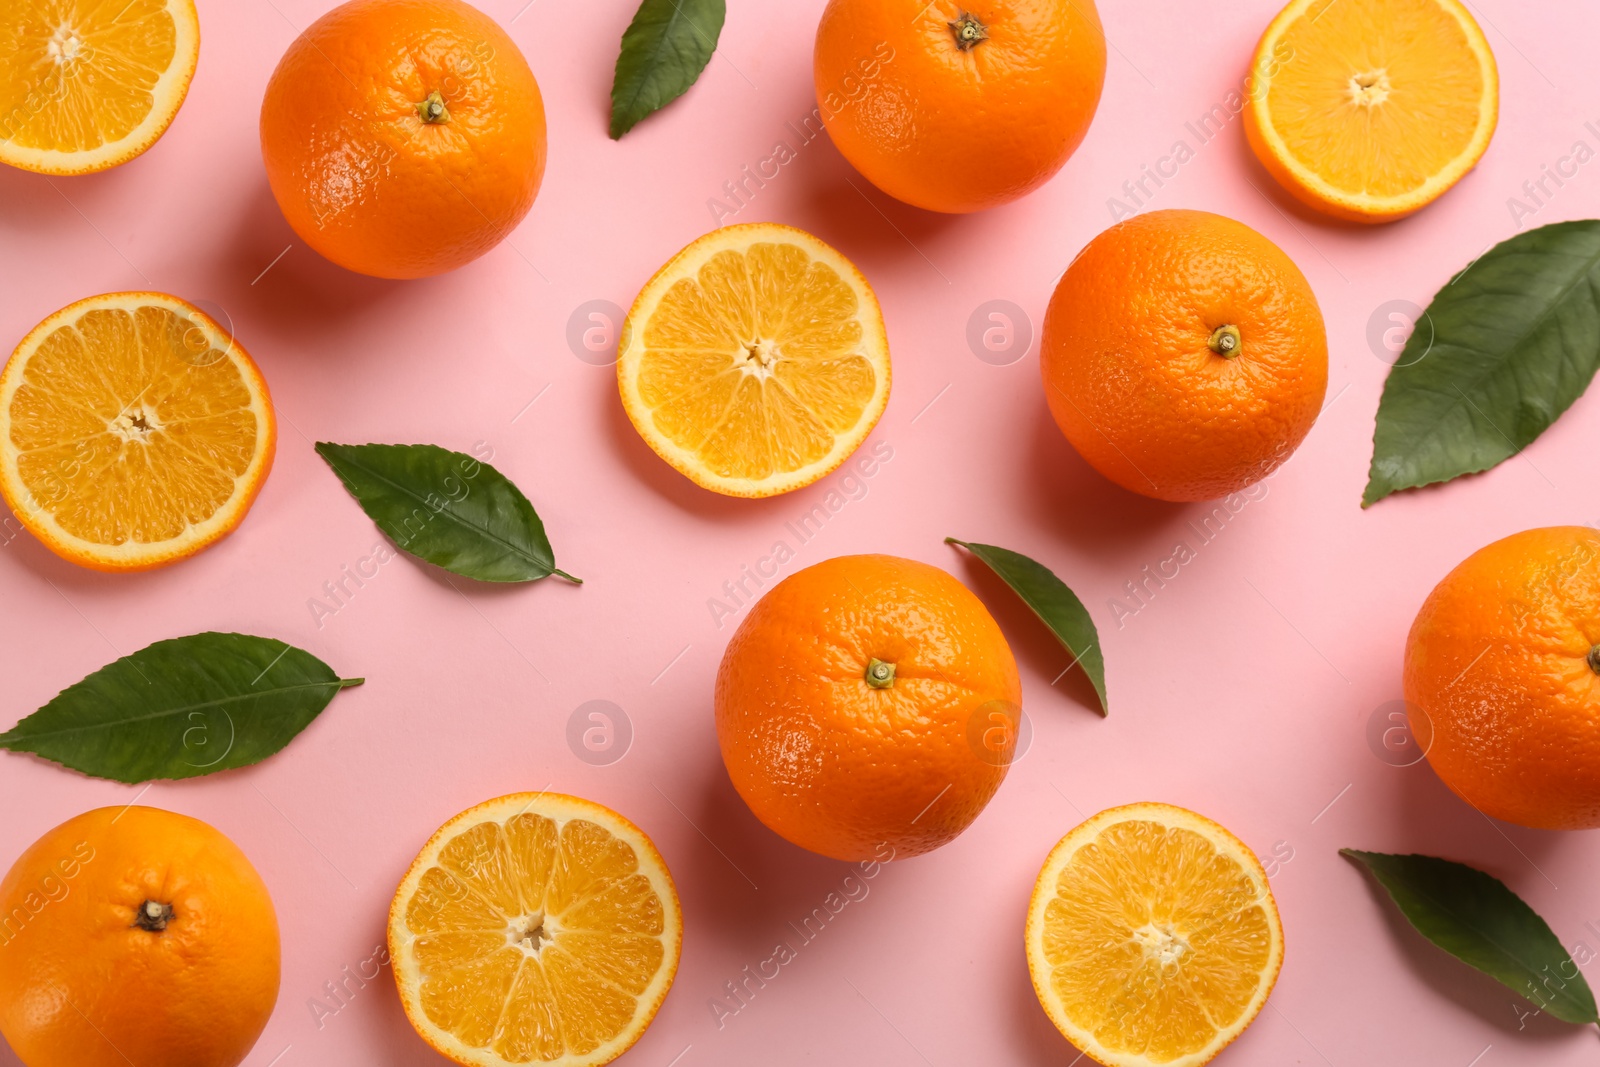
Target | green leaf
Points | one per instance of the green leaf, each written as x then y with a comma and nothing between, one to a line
181,708
664,49
1480,922
1502,351
1056,605
447,508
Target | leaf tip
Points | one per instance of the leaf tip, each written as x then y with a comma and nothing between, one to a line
1361,856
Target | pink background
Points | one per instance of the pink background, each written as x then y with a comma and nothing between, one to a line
1243,688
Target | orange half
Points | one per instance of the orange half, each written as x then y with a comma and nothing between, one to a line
134,431
1152,937
88,84
536,928
755,361
1369,110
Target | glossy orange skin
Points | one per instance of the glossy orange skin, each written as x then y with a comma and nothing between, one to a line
851,771
1131,379
359,174
1506,703
956,130
82,986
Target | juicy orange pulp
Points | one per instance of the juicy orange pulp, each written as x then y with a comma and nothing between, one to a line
1152,937
755,360
133,431
535,928
88,84
1371,109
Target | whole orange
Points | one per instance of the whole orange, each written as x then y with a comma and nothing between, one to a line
958,106
403,138
1184,355
868,707
135,935
1503,677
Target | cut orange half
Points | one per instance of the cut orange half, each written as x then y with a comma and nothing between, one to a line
1371,109
134,431
536,928
1152,937
88,84
755,361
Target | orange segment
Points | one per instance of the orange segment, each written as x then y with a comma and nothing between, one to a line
755,361
134,431
1152,937
535,928
89,84
1372,109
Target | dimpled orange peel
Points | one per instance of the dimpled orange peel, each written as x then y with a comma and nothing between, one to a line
958,107
133,935
1184,355
852,705
1502,669
403,138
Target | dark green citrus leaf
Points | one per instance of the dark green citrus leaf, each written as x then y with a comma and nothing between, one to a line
664,49
181,708
1501,352
1475,918
1056,605
447,508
